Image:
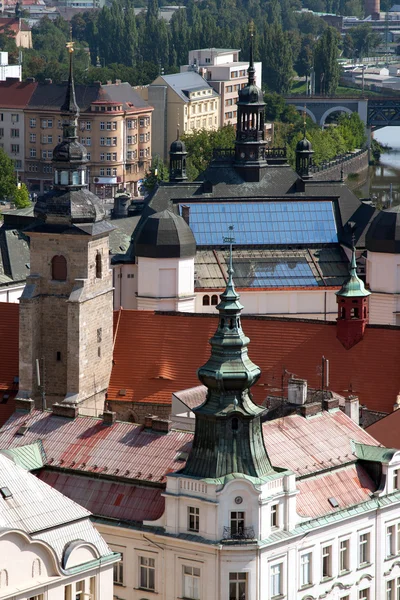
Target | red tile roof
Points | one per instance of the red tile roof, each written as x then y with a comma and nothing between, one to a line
16,94
86,445
387,430
348,486
14,25
108,498
9,358
158,354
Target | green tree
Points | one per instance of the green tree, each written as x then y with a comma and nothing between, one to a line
326,64
21,196
7,176
364,40
278,67
200,145
158,172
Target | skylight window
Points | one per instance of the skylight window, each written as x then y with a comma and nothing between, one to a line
5,493
333,502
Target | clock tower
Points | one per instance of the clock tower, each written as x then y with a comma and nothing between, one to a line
250,144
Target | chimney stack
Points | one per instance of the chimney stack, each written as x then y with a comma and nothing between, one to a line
297,391
352,408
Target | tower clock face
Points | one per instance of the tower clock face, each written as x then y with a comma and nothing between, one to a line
242,155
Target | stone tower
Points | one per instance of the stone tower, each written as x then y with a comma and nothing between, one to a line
66,307
353,310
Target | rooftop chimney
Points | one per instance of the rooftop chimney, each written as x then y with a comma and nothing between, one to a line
297,391
352,408
24,405
65,410
109,417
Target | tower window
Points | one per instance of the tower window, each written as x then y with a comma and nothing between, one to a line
206,300
214,300
58,268
58,356
235,424
98,266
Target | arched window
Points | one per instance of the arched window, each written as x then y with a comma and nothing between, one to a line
36,568
59,268
214,300
365,312
235,424
343,312
3,579
98,266
206,300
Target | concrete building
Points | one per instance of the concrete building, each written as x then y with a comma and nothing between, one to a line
225,73
185,101
48,546
9,71
14,98
114,127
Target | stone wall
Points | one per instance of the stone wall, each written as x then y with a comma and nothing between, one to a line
136,412
353,165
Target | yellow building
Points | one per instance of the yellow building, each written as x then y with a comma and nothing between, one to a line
114,127
184,100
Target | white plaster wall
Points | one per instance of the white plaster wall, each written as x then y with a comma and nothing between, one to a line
318,304
11,294
165,284
383,272
125,282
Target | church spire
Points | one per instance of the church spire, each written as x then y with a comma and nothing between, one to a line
70,108
251,72
228,435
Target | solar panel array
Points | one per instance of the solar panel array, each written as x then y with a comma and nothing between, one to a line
285,222
273,273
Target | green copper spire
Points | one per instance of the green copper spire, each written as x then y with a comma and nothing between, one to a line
353,286
228,435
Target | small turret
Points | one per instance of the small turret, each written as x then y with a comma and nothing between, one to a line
353,309
304,154
177,161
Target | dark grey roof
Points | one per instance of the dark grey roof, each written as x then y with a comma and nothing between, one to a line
165,235
52,96
384,232
120,237
73,206
14,255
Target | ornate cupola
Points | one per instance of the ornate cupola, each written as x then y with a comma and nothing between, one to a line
70,199
304,153
228,434
177,161
353,309
250,145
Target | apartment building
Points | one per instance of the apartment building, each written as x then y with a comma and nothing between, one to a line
185,101
114,127
14,97
223,70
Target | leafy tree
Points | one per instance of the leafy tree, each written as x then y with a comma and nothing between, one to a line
305,59
326,56
7,176
200,145
352,130
364,40
158,172
278,69
21,196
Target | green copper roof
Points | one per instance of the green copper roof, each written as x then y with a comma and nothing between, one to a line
228,434
353,286
29,457
373,453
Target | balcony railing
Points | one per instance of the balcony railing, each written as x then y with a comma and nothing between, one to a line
238,535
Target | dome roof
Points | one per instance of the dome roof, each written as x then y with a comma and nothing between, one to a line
177,147
383,234
69,206
165,235
69,151
251,94
304,145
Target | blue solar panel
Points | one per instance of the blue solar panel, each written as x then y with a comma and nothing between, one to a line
286,222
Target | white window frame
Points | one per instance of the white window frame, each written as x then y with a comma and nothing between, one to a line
276,580
275,515
118,575
305,569
193,518
236,580
191,582
344,552
147,566
364,548
326,553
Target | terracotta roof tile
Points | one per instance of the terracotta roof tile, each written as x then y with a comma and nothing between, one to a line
113,499
16,94
348,486
387,430
158,354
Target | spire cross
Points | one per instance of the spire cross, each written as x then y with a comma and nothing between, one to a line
230,239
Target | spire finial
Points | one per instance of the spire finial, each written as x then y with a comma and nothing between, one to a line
305,120
70,106
230,239
251,70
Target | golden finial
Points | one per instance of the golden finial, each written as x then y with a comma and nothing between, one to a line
251,28
70,43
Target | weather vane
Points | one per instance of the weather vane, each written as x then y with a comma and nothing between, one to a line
70,43
230,239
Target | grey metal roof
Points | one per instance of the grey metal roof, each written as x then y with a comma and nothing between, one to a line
165,235
384,232
51,96
42,512
188,81
14,256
